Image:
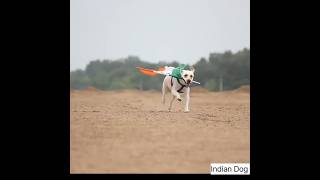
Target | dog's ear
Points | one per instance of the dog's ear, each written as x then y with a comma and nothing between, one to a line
192,68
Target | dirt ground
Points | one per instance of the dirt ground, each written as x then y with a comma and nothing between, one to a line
130,131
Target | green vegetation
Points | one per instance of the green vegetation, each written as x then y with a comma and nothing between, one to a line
221,71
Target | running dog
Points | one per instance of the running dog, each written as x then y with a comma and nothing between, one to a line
178,86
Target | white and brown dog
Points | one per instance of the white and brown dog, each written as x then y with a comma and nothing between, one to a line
177,87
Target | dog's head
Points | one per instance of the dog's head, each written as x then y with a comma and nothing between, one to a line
188,75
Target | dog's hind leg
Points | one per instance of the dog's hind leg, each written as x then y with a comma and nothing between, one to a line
173,98
163,92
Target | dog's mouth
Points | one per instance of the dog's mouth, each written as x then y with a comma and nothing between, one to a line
188,81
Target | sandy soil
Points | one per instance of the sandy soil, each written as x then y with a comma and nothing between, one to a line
132,132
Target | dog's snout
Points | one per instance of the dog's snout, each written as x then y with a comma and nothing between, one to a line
188,81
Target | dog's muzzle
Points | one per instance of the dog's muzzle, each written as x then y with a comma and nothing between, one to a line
188,81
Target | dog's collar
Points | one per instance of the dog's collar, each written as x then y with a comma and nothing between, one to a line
185,83
182,85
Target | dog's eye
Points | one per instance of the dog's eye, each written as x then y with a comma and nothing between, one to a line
191,76
185,75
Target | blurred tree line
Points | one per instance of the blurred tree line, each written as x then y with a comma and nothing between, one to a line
221,71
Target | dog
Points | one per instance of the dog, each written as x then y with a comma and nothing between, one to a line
178,86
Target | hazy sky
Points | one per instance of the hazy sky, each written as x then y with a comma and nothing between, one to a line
182,30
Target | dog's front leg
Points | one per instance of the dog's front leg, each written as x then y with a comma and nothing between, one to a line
186,108
176,94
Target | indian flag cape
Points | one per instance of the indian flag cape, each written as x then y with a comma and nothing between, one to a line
167,71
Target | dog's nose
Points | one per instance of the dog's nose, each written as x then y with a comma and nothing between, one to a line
188,81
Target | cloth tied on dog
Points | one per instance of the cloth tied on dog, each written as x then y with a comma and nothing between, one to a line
176,72
166,71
